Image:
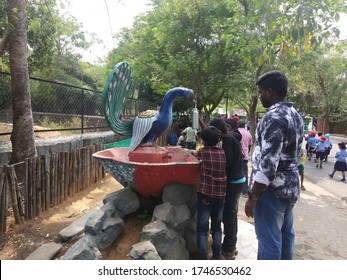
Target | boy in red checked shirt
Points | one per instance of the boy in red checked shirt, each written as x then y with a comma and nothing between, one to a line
211,193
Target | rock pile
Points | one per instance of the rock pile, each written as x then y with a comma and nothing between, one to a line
171,234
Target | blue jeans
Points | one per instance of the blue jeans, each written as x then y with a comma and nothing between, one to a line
209,207
273,220
231,208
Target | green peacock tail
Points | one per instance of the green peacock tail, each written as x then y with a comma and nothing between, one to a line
116,92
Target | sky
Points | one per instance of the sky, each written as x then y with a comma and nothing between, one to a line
94,17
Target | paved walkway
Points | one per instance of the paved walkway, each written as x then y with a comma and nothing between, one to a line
320,216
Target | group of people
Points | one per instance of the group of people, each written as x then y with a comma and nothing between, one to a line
320,147
274,183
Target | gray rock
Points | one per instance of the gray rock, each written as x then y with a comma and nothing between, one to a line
190,237
111,228
94,222
169,244
83,249
75,229
176,217
144,250
177,194
45,252
125,201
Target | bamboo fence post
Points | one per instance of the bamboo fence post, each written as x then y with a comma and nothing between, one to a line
30,188
3,199
38,187
67,177
43,185
47,181
71,172
52,168
26,190
13,184
82,165
33,186
88,166
92,165
56,179
79,169
74,173
62,176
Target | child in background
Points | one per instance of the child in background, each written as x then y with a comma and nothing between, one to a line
320,151
328,146
181,140
211,193
301,162
340,164
312,143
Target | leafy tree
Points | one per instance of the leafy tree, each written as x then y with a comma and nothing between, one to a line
321,84
264,35
179,43
220,48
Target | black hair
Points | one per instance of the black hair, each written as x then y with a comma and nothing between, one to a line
210,136
232,123
276,80
220,124
241,124
342,145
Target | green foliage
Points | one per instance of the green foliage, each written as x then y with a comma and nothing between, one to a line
319,85
144,215
219,48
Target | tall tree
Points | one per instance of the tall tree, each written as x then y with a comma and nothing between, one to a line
22,137
321,84
179,43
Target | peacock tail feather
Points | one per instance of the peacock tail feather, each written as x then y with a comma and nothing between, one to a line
116,92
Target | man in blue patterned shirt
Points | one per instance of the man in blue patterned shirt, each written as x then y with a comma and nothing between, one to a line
275,184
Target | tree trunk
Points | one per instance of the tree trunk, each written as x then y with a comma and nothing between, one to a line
22,137
252,116
326,122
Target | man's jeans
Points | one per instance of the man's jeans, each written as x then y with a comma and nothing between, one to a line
230,221
209,207
273,220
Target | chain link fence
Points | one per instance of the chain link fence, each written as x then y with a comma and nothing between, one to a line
62,108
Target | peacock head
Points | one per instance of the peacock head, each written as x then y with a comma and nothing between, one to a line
187,93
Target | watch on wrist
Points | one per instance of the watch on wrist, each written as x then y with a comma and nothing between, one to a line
253,196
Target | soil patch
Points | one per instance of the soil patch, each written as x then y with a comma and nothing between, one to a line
7,127
21,240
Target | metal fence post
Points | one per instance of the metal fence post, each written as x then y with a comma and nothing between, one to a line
82,118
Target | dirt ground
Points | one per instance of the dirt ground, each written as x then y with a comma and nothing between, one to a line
21,240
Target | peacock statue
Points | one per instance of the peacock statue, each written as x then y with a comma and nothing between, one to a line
149,125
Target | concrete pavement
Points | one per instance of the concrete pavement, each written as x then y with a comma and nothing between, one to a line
320,216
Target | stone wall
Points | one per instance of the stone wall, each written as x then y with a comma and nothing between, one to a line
62,143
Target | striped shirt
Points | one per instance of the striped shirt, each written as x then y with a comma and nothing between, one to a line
213,179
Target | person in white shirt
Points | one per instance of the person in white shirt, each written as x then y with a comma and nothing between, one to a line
191,134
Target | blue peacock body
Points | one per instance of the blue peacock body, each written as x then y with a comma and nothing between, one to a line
148,126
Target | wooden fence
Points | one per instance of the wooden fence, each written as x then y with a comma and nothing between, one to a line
49,181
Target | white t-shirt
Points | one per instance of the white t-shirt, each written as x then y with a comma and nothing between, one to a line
191,134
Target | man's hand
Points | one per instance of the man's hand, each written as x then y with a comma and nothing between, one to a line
249,207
